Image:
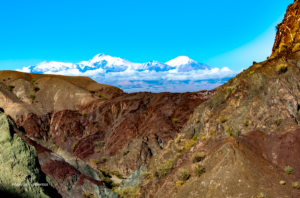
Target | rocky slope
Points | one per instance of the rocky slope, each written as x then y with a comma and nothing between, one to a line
23,93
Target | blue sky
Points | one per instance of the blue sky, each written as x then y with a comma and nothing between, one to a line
219,33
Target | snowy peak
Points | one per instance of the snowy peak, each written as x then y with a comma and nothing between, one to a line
105,63
185,64
180,60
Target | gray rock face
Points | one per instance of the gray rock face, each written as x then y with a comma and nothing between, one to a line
20,172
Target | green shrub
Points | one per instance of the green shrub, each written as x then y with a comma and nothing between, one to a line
8,78
101,96
147,175
295,185
246,123
91,91
96,161
125,152
229,132
188,144
163,170
104,159
32,96
198,169
146,112
3,79
175,120
36,101
223,120
33,80
99,144
183,174
35,89
194,138
179,183
282,182
84,113
117,173
289,170
281,68
10,88
195,92
203,137
104,170
211,132
197,157
128,192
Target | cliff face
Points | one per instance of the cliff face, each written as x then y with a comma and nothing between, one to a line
287,36
19,166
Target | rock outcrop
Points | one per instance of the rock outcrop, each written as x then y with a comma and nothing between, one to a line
20,171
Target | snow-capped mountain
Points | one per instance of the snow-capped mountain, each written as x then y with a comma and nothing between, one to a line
106,63
184,64
177,75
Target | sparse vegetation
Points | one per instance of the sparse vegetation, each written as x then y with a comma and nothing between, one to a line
117,173
33,80
35,89
101,96
163,170
179,183
104,159
84,113
278,121
146,112
196,121
32,96
183,174
147,175
99,144
104,170
125,152
281,68
194,138
230,90
295,185
177,155
195,92
245,123
229,132
73,146
87,194
289,170
251,72
197,157
95,161
8,78
198,169
10,88
3,79
188,144
36,101
175,120
91,91
282,182
211,132
203,137
128,192
223,120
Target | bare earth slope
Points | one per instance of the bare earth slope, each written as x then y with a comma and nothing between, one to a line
51,92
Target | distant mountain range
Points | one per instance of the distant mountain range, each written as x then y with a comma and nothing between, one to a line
115,64
174,75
